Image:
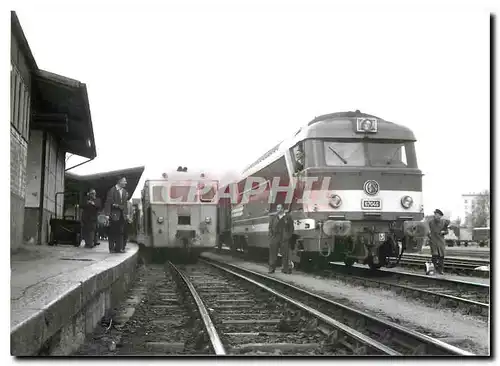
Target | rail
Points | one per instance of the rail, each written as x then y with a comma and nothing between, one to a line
402,337
215,341
417,285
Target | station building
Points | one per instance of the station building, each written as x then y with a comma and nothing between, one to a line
49,117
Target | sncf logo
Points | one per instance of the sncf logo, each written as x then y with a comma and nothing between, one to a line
371,187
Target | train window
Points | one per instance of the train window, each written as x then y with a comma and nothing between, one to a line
298,157
180,192
158,194
208,196
387,154
344,153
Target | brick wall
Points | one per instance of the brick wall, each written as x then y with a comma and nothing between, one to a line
18,156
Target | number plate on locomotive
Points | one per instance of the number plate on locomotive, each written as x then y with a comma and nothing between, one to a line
371,204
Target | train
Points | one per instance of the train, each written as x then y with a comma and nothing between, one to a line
367,187
177,216
356,197
458,236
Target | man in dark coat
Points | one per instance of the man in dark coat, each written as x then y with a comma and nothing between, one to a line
89,219
280,233
438,229
116,211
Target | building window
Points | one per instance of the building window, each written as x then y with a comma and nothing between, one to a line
20,121
20,104
27,112
16,99
12,92
465,201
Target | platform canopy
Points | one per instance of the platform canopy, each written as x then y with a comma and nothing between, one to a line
61,106
101,182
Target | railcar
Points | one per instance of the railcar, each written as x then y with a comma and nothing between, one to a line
357,193
179,215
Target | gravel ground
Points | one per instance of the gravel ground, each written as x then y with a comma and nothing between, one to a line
133,336
469,333
450,276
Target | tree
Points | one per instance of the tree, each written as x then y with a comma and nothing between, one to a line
481,213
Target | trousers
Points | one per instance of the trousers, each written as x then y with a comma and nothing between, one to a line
282,246
88,234
115,239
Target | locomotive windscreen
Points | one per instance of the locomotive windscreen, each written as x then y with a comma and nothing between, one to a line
184,192
373,153
180,192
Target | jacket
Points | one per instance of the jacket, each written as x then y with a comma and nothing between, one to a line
116,207
287,230
90,212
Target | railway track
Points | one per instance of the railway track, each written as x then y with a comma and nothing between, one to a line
467,297
245,317
451,265
371,334
464,252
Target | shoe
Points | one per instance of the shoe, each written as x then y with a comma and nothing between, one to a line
271,271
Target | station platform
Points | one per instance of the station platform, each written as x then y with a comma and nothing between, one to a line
59,294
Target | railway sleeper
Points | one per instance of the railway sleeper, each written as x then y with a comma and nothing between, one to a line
272,347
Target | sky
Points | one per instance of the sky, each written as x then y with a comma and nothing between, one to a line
215,89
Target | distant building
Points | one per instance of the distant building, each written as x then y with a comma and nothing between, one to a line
469,205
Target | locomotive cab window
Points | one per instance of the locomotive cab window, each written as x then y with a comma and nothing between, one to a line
390,154
344,153
298,157
180,192
158,194
207,195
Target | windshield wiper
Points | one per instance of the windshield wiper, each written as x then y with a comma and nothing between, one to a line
336,153
389,161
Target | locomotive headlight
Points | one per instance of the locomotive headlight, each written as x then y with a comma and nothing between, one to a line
335,201
406,202
208,220
160,220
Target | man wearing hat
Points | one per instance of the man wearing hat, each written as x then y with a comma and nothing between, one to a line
438,229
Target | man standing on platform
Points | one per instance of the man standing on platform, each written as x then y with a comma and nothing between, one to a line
89,219
116,212
280,232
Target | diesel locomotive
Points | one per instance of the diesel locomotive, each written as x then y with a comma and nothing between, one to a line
357,193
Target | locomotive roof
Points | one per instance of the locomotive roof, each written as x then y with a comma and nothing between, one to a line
342,115
174,175
333,125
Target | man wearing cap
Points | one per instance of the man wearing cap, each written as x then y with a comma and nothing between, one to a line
438,229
